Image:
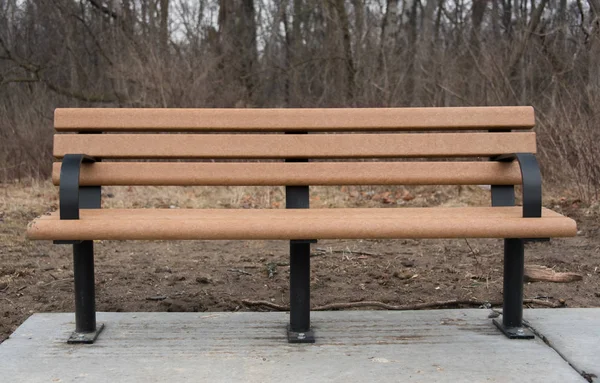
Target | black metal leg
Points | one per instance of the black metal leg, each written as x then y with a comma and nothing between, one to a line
512,312
86,330
299,330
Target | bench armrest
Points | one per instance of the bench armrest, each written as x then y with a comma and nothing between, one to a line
69,184
531,180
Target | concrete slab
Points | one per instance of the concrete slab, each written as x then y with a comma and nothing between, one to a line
574,333
352,346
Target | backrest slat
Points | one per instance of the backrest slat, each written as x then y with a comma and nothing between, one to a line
257,146
311,173
265,120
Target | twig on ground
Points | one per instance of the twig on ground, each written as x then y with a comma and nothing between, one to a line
539,302
239,271
53,282
268,304
157,298
321,251
415,306
8,300
473,252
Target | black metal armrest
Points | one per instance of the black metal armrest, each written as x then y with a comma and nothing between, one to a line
531,180
69,184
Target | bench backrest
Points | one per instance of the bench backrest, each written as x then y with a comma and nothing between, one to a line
198,135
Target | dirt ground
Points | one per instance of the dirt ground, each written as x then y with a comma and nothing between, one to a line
218,275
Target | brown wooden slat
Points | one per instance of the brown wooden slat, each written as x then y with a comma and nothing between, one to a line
181,224
252,146
110,119
312,173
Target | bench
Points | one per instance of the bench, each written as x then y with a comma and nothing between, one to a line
448,146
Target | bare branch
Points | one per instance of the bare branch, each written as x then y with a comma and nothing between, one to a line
104,9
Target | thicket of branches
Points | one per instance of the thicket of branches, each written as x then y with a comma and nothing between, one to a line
304,53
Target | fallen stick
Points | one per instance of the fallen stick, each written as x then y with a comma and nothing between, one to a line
415,306
51,282
321,251
239,271
157,298
538,273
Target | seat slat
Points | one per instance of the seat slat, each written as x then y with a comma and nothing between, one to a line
312,173
253,146
265,224
112,119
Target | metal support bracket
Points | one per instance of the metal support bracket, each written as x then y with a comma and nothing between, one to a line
514,332
300,337
72,197
86,337
512,305
531,180
503,195
69,189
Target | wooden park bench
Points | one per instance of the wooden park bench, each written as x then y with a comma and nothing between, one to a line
90,143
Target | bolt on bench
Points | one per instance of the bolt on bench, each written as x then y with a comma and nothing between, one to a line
502,155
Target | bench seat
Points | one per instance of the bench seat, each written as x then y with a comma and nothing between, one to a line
189,224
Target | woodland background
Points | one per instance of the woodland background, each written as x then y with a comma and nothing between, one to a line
304,53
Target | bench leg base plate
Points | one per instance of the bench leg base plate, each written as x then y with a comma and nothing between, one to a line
85,337
300,337
514,332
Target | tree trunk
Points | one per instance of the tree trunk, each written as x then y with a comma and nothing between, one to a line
287,57
507,17
389,27
519,50
238,54
410,20
477,13
294,52
347,48
424,53
164,27
247,36
594,53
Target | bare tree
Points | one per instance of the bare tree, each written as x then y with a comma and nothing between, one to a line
303,53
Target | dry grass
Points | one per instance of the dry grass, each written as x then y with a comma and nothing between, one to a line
26,198
21,202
